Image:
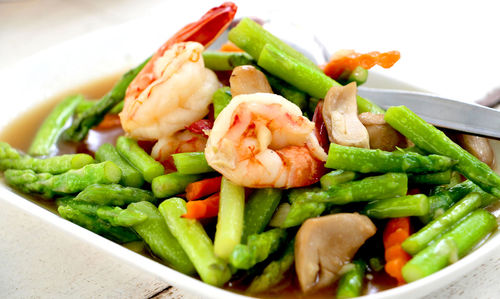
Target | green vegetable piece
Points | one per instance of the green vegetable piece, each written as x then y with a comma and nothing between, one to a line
84,216
161,238
301,210
289,92
195,242
135,155
94,115
337,177
436,178
221,99
113,195
230,220
432,140
7,151
258,211
46,138
451,246
84,105
419,240
351,283
70,182
171,184
371,188
117,108
225,61
405,206
120,217
304,77
251,37
258,248
275,272
358,75
191,163
376,263
53,165
130,176
369,160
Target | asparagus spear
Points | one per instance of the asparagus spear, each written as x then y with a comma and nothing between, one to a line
419,240
121,217
48,133
451,246
274,272
257,249
306,78
195,242
358,75
221,99
113,195
7,151
70,182
405,206
337,177
191,163
171,184
259,209
436,178
351,282
230,220
432,140
135,155
225,61
53,165
369,160
95,114
155,232
371,188
130,176
300,210
289,92
84,215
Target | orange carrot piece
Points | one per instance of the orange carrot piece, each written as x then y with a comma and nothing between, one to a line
205,208
396,231
394,224
393,268
396,252
396,237
230,47
203,188
110,121
349,60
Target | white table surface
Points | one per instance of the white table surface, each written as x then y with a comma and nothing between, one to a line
449,47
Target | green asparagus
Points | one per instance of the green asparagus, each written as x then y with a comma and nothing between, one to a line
135,155
53,165
114,195
8,152
257,249
375,160
289,92
351,283
225,61
191,163
46,138
121,217
173,183
435,178
130,176
358,75
259,209
95,114
221,99
451,246
433,140
419,240
405,206
195,242
337,177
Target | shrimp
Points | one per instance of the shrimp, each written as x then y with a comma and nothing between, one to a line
174,89
262,140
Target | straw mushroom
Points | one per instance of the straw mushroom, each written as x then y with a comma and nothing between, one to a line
382,135
246,79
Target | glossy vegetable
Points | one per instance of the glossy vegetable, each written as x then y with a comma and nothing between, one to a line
259,209
351,283
404,206
137,157
113,195
53,165
191,163
130,176
171,184
205,208
396,232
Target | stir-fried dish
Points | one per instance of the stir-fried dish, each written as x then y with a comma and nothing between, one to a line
257,170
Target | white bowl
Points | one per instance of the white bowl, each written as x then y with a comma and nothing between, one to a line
110,51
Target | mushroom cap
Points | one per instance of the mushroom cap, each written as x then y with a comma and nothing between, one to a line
324,244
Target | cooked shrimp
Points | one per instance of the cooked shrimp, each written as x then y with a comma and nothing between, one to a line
179,96
262,140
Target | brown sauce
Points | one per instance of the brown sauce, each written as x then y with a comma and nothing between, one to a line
29,122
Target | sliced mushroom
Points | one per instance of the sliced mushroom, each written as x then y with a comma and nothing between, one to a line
340,113
382,135
478,146
323,245
246,79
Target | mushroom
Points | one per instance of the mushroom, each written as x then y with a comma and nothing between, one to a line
340,113
323,245
382,135
478,146
246,79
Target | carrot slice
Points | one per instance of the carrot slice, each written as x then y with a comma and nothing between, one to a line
396,231
110,121
396,252
393,268
205,208
230,47
203,188
348,60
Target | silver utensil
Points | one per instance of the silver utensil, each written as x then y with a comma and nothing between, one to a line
439,111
